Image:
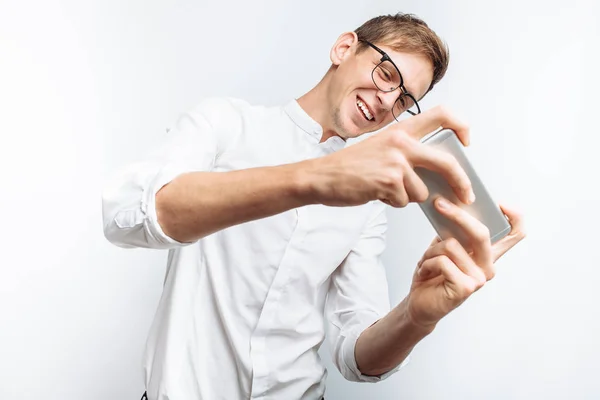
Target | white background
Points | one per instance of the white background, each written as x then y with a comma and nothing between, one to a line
86,87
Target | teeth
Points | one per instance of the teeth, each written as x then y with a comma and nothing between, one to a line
364,109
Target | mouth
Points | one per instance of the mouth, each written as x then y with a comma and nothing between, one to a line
364,109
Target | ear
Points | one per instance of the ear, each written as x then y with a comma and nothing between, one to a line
343,47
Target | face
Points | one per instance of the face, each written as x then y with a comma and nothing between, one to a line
352,84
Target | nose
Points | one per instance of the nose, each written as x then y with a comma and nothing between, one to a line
387,99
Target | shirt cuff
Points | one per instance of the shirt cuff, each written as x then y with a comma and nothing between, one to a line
350,360
148,206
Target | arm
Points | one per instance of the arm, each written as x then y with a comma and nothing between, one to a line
130,205
172,198
197,204
193,206
384,345
445,277
357,305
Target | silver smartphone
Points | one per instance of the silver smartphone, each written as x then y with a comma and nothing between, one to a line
485,209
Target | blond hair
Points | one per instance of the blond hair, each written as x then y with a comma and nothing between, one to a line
406,33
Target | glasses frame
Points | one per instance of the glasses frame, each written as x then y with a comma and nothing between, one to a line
385,57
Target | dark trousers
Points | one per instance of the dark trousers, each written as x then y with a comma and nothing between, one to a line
144,397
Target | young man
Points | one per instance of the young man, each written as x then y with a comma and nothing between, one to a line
272,225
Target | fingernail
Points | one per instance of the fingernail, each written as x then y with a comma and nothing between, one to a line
471,197
443,203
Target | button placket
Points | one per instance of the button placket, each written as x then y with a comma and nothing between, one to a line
258,348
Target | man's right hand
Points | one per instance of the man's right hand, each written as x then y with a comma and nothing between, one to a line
382,166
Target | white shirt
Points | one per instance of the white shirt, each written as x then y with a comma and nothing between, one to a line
242,311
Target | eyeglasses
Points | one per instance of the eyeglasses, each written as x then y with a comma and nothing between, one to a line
387,78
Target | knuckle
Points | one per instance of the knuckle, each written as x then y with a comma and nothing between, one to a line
406,142
477,284
391,180
398,138
389,183
442,110
403,201
491,273
445,112
468,288
397,179
400,199
393,157
421,195
452,245
480,280
444,261
472,286
389,153
447,247
386,183
482,234
400,162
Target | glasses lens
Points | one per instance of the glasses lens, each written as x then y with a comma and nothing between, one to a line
405,105
386,77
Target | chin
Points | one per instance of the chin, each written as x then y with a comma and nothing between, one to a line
347,129
349,126
353,131
350,129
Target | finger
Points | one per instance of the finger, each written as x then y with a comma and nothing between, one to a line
515,218
435,241
397,197
415,187
452,249
477,232
516,234
428,121
446,165
460,284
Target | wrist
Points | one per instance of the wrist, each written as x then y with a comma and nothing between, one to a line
409,319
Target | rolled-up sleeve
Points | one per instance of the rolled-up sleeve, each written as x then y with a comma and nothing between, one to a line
128,198
358,297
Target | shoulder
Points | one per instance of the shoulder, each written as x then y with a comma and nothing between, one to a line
230,111
224,117
215,109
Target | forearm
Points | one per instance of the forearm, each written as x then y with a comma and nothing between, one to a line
197,204
385,344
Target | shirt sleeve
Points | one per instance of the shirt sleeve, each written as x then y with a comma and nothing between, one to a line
191,144
358,297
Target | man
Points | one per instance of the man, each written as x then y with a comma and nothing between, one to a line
272,225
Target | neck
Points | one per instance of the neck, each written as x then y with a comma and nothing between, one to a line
316,104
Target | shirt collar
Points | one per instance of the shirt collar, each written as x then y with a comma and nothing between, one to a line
310,126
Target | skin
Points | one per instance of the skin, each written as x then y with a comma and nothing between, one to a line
349,77
448,273
378,168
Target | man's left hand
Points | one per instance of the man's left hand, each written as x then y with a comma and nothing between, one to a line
448,273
